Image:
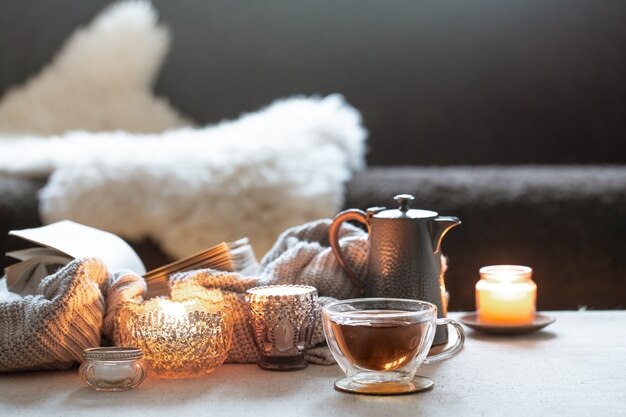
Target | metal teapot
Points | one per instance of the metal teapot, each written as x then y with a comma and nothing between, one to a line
404,254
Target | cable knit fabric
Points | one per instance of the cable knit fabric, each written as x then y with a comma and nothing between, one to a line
50,330
302,255
124,287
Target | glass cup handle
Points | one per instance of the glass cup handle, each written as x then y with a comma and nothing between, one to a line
450,352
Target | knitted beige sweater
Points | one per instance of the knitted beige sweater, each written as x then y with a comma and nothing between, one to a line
50,330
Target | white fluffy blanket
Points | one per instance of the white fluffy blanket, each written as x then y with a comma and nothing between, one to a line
185,188
101,79
191,188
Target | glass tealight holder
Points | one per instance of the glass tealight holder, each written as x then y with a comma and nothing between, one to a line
282,318
112,368
506,295
179,339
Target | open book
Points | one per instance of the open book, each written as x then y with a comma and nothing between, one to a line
61,242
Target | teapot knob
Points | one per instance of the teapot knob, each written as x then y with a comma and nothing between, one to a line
404,200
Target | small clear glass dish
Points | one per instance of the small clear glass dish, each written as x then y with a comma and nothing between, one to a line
112,368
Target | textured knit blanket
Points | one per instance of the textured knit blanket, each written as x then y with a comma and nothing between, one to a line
50,330
81,302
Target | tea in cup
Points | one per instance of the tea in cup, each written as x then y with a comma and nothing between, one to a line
380,342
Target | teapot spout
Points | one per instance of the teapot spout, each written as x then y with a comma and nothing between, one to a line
441,225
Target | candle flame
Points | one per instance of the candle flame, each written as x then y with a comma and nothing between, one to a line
172,309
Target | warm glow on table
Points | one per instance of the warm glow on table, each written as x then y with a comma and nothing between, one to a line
506,295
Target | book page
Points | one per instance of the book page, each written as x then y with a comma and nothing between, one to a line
24,277
79,241
25,254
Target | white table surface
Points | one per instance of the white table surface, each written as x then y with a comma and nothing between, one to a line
574,367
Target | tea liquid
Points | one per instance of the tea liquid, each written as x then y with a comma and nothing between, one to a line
384,344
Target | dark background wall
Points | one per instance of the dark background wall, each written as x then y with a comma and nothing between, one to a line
437,82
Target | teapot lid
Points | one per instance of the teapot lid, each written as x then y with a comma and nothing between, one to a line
404,211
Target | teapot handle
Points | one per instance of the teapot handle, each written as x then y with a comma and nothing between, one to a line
333,235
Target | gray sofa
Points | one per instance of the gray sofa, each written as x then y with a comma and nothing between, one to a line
510,115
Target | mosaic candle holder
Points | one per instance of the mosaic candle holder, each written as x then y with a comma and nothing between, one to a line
179,339
282,318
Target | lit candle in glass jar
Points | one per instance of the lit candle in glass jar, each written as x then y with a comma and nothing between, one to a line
506,295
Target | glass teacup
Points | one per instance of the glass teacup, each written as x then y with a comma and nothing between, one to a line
380,342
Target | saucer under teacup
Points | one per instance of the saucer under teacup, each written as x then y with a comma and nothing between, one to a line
539,322
417,384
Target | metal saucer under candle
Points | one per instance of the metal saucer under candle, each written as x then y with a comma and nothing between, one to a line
539,322
417,384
